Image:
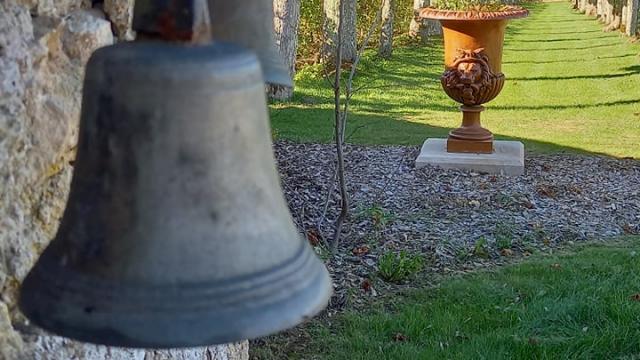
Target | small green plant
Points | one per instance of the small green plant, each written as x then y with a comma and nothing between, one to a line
397,268
504,234
481,248
323,253
462,254
274,134
504,243
379,217
478,5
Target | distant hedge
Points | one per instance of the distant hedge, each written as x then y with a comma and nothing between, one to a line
311,18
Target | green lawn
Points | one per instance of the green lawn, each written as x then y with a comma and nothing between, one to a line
581,304
570,86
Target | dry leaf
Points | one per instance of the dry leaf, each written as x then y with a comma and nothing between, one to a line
546,191
635,297
629,230
528,204
361,250
366,285
399,337
506,252
314,237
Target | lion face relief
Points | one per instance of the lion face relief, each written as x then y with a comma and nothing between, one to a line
469,72
469,79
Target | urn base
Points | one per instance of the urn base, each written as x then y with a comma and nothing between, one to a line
469,146
506,159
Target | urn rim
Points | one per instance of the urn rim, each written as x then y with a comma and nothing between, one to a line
509,12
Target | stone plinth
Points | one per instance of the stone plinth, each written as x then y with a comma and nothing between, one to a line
507,158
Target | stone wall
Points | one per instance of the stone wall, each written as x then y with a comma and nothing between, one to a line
44,45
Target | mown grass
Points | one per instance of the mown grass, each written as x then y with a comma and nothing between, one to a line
581,304
570,87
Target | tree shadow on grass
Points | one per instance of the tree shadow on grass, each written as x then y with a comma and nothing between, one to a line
630,71
566,48
562,20
542,41
555,78
307,125
565,107
565,61
538,33
633,68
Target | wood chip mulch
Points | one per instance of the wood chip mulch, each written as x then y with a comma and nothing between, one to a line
441,214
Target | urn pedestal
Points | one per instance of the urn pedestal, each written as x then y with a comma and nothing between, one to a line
473,75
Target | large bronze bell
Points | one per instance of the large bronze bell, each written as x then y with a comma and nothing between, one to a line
176,232
250,24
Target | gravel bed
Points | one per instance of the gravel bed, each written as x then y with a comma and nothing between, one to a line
441,214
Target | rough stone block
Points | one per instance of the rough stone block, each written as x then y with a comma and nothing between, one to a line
507,158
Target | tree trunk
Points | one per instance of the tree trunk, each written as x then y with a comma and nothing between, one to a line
417,29
349,35
633,7
386,36
609,13
286,18
421,28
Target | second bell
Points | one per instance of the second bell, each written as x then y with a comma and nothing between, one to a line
250,23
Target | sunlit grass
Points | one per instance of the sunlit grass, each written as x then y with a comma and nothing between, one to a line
569,87
582,304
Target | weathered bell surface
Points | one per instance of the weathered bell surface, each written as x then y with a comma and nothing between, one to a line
250,23
176,232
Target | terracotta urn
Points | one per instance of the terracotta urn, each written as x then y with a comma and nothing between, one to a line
473,42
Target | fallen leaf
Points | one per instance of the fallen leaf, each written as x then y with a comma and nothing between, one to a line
400,337
313,236
629,230
546,191
574,189
361,250
556,266
635,297
528,204
366,285
506,252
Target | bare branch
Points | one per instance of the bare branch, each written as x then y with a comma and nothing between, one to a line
341,111
339,119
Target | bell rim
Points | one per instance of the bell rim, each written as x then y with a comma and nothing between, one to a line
50,307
